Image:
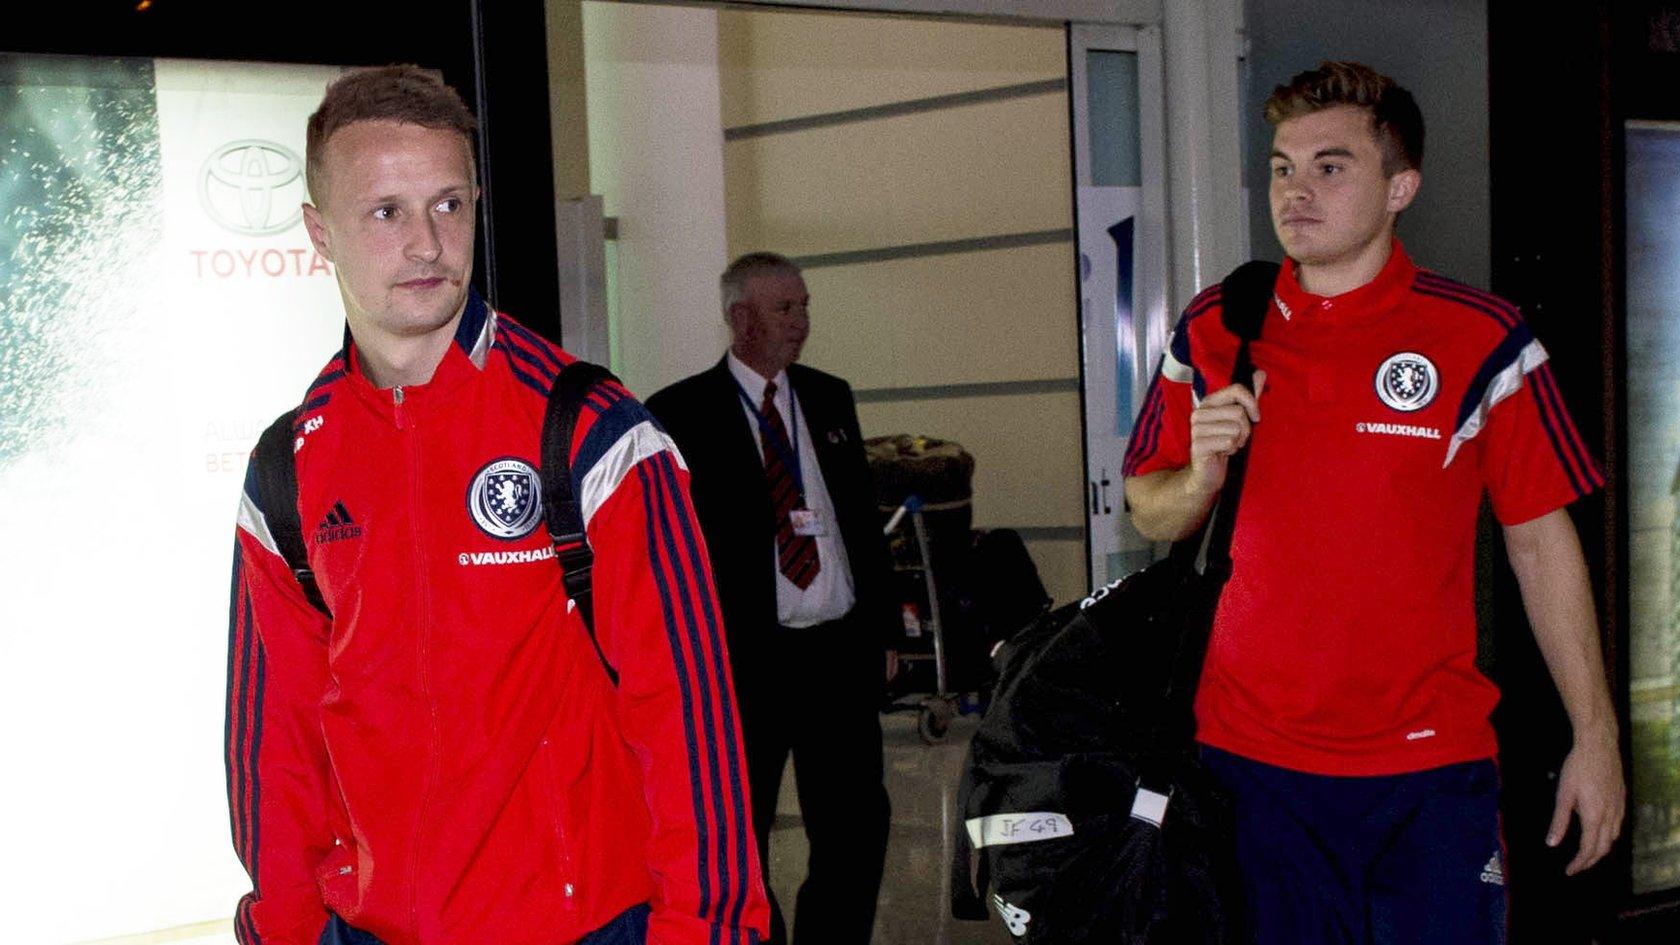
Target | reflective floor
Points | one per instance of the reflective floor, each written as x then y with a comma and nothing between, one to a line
915,896
913,910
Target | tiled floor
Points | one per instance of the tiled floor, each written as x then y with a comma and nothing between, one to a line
914,906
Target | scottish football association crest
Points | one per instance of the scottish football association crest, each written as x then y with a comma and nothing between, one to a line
1407,381
506,499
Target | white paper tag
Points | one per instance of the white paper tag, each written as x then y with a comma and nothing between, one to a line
1000,829
1149,806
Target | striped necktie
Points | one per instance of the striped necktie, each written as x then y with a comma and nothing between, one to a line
796,555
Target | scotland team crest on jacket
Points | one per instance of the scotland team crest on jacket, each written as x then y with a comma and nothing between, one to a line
506,499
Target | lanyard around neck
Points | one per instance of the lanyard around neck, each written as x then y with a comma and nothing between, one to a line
788,451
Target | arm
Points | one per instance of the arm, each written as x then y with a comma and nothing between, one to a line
658,621
1169,504
276,760
1546,556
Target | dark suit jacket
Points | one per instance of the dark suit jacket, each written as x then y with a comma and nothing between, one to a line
703,415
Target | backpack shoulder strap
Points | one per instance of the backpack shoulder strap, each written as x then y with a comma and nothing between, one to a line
561,508
1245,296
277,488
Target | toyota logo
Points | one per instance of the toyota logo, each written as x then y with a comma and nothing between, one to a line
253,187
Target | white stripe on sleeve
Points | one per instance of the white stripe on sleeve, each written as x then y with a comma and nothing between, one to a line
638,443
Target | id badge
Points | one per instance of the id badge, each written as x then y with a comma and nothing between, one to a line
807,522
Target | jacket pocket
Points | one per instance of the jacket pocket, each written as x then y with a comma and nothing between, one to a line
335,877
553,790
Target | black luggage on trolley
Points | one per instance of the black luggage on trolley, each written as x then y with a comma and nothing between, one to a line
962,591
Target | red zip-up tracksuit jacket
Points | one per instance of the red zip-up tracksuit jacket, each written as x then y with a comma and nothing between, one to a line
444,758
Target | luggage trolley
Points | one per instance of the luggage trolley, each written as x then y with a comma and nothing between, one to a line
938,708
959,589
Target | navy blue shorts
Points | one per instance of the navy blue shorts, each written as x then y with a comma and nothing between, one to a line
1368,861
630,928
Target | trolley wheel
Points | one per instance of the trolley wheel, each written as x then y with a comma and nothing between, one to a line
934,723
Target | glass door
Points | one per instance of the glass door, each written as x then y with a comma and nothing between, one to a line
1120,216
1653,445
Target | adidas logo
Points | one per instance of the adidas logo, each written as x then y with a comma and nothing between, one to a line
1493,872
337,526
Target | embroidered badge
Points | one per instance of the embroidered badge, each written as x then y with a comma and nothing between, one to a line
1407,381
505,499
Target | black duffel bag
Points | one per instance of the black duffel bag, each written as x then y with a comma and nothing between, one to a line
1087,813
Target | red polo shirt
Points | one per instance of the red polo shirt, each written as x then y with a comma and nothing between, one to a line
1345,642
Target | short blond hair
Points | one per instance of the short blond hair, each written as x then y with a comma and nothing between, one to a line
403,93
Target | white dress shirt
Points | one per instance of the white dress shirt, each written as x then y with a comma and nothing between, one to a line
830,595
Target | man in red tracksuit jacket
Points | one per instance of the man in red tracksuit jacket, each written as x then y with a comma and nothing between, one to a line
444,758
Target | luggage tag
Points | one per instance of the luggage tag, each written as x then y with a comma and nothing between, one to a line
808,523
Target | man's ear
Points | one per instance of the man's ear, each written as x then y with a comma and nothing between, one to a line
735,317
1403,188
317,231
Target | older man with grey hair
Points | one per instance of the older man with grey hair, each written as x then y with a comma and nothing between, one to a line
783,494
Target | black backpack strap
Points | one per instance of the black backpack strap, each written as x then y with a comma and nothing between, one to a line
1245,297
560,502
277,496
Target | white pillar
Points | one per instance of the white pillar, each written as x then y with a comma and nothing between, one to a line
568,98
656,156
1204,166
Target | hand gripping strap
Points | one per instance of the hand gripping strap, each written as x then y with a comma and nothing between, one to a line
1246,296
277,496
1205,555
560,503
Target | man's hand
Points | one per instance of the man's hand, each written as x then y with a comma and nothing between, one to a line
1168,504
1219,426
1590,787
892,665
1546,557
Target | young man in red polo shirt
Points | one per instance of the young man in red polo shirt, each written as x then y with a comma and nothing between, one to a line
1340,701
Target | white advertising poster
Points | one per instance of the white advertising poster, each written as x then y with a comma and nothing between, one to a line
1117,366
159,305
